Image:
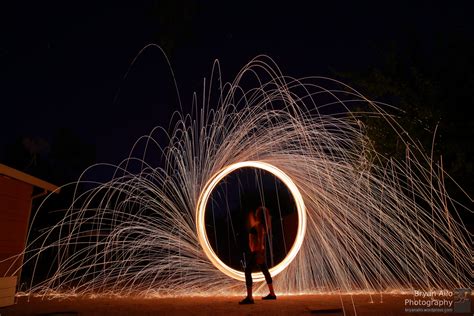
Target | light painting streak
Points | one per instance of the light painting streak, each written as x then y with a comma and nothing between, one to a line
201,228
373,224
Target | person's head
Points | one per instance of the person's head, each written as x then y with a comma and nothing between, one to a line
262,215
251,219
259,214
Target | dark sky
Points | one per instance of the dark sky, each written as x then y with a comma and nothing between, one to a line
63,65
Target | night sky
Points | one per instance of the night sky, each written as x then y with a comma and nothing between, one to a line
63,65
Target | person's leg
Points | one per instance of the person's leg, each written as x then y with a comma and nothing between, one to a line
248,279
268,278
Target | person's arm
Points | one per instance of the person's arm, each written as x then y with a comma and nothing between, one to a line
261,238
254,242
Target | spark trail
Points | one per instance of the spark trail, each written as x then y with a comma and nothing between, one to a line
374,224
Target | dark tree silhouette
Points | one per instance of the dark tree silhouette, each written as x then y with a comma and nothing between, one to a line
434,90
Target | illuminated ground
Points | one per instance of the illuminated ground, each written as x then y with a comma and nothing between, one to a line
285,305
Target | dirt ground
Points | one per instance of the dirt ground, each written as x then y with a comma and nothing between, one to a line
225,305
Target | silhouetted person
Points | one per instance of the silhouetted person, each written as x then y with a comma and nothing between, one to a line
258,227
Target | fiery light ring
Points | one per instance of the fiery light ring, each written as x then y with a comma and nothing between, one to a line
201,210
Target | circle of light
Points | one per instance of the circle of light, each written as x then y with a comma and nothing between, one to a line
201,209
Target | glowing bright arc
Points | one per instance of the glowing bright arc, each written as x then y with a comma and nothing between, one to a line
201,209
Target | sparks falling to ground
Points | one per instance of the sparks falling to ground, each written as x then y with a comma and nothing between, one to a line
373,224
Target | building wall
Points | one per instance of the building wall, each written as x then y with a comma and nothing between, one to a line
15,204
